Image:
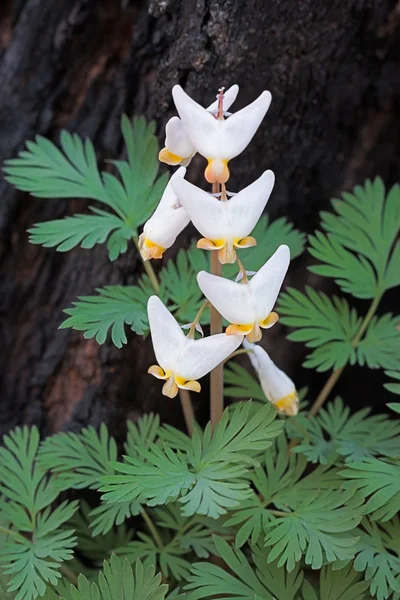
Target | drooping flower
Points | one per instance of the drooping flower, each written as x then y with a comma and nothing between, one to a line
248,305
179,149
165,224
225,224
277,386
219,140
181,360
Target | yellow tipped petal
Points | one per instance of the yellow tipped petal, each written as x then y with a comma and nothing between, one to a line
169,158
255,334
149,249
182,383
217,171
227,254
272,318
158,372
239,329
170,388
246,242
206,244
289,404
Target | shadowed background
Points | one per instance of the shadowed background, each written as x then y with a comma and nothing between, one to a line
333,70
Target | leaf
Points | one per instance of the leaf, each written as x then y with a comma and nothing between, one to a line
118,581
38,542
357,246
84,230
394,388
378,557
340,585
242,581
79,459
379,481
239,383
72,172
353,436
327,325
380,348
113,308
208,477
142,433
321,526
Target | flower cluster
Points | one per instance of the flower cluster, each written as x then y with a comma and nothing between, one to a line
225,221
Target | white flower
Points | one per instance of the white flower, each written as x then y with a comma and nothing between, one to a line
165,224
248,306
225,224
179,149
219,140
277,386
181,360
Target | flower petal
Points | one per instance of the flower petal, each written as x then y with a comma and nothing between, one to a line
232,300
169,199
165,225
229,99
267,282
166,334
177,140
246,207
199,357
208,214
242,125
275,383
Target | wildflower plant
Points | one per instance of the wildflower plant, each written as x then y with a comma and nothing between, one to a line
279,496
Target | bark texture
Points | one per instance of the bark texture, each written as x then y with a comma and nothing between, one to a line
332,68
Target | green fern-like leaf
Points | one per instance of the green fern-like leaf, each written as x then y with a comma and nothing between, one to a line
353,436
345,584
242,581
357,248
209,477
393,387
119,581
114,307
37,543
239,383
380,348
327,325
379,481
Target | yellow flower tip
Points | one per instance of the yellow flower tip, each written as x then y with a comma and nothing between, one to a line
227,254
169,158
255,334
272,318
239,329
217,171
158,372
206,244
149,249
184,384
246,242
289,404
170,389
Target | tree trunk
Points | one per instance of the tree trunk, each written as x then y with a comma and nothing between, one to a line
332,68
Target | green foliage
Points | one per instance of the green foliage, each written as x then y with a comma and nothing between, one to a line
118,581
337,585
379,481
357,248
326,325
239,383
208,478
37,543
378,556
113,308
393,387
380,347
354,437
72,172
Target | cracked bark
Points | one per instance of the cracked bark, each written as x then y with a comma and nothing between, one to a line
332,69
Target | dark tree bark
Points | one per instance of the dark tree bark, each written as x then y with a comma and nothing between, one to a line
333,70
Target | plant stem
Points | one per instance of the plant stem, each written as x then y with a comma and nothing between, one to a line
68,574
152,528
329,385
217,375
279,513
149,269
184,396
